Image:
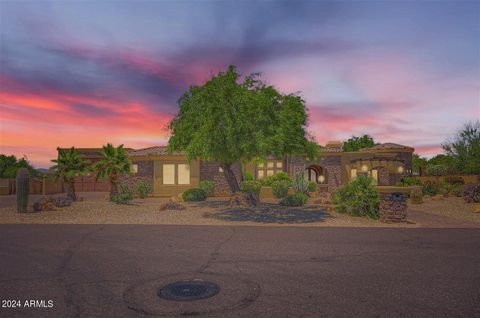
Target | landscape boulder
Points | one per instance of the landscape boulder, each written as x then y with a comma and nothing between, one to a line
44,204
172,204
243,199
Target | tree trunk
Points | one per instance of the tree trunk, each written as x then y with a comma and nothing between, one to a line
71,191
113,187
231,179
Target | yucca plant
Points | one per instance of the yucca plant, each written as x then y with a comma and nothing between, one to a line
114,163
70,164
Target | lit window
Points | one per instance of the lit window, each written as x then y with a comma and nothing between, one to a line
279,164
353,174
270,164
260,165
168,174
134,168
183,174
375,176
270,173
260,174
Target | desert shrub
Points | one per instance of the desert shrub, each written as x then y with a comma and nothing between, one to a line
358,198
409,181
281,176
124,195
280,188
251,187
416,196
430,188
296,199
454,180
437,170
471,193
194,194
300,184
143,188
208,186
447,189
312,187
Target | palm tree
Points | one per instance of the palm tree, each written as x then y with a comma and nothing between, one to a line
113,164
69,165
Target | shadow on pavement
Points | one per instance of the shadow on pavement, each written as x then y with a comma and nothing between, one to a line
271,214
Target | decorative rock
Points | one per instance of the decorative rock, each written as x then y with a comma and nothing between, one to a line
242,199
172,205
62,202
44,204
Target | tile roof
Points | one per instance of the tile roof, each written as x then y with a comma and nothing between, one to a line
152,151
387,146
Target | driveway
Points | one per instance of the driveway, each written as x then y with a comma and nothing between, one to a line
116,270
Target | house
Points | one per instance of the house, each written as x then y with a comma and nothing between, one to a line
172,174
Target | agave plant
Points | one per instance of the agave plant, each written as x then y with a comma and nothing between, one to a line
113,164
69,165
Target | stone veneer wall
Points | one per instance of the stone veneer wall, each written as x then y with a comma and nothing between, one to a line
210,171
144,172
393,207
383,176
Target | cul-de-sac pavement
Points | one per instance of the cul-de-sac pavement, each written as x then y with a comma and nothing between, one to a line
115,270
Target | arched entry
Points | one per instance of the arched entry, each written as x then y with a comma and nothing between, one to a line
316,174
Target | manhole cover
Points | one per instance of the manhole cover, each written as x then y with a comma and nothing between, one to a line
188,290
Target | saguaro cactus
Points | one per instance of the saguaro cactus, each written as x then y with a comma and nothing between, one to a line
22,188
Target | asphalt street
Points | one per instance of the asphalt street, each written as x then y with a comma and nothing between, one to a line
116,271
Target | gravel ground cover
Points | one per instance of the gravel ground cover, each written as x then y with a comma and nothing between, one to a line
215,211
452,207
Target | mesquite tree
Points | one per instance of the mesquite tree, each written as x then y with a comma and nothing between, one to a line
228,120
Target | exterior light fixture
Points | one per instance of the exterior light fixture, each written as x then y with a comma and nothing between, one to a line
400,169
364,168
321,179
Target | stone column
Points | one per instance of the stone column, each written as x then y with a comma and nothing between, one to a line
393,204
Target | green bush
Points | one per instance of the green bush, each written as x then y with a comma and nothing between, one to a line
312,187
300,184
247,176
251,187
280,188
431,188
143,188
281,176
297,199
194,194
409,181
358,198
207,186
124,195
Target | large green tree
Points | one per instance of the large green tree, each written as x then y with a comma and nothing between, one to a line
465,148
69,165
10,164
356,143
419,164
114,163
228,120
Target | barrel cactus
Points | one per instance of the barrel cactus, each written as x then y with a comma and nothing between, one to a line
22,186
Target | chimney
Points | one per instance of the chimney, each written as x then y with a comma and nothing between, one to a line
334,146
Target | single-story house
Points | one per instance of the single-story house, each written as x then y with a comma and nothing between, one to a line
171,174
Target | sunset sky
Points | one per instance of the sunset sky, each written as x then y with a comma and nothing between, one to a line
85,73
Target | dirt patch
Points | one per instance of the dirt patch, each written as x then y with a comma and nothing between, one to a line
452,207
